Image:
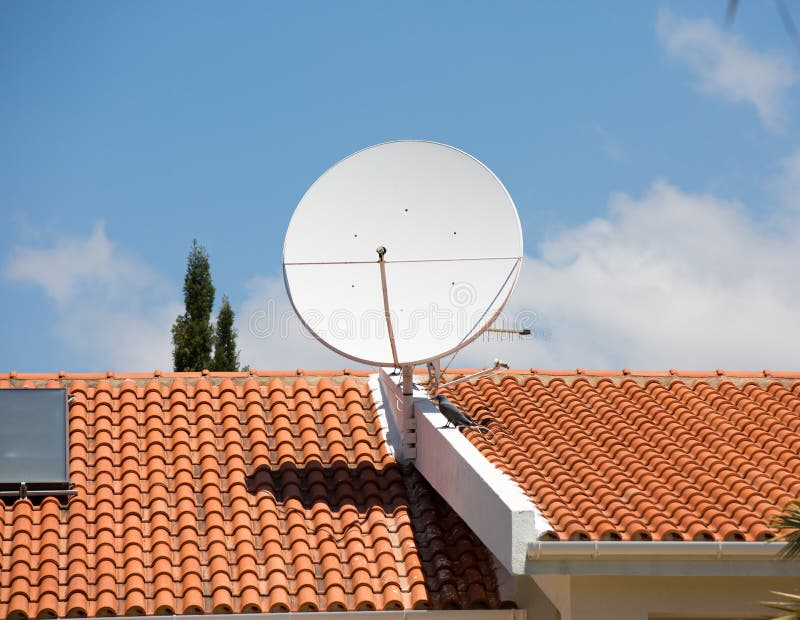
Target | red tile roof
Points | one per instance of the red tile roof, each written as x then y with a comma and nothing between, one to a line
233,493
638,456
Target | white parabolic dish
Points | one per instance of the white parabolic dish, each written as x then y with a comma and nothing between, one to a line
453,250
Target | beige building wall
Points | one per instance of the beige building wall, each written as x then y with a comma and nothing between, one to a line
565,597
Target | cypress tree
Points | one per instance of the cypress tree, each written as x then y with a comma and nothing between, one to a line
192,333
226,357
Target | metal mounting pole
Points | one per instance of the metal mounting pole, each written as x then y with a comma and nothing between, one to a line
499,366
381,250
434,375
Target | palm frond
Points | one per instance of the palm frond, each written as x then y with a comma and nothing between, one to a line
792,605
787,523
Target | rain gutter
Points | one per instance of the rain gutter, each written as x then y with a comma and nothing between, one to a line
476,614
657,558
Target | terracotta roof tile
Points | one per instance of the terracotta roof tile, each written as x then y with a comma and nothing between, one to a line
229,493
682,455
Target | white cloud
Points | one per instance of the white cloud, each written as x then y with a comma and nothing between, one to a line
668,280
74,263
726,66
111,309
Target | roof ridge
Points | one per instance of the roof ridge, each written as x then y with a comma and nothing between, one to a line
365,372
162,374
627,372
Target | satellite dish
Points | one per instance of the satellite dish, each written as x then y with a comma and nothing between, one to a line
402,253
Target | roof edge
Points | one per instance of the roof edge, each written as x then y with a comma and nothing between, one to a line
365,372
658,558
627,372
166,374
428,614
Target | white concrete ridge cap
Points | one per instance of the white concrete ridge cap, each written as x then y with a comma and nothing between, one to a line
503,485
490,503
389,431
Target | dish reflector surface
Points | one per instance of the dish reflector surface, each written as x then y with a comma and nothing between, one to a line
453,250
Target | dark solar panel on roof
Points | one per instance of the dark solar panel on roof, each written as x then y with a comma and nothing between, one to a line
33,439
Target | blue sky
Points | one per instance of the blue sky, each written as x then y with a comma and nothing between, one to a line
653,155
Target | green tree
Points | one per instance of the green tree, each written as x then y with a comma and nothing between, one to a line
226,357
192,333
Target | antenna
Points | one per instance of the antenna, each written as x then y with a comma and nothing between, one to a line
402,254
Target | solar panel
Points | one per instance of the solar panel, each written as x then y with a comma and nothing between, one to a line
33,438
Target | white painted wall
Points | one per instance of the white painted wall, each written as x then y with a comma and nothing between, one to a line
563,597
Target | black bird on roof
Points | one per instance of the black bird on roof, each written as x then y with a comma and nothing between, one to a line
454,415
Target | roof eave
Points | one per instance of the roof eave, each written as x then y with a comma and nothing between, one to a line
427,614
658,558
